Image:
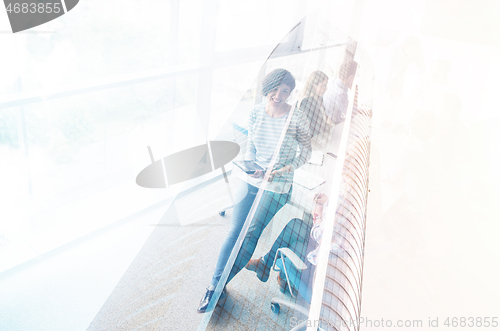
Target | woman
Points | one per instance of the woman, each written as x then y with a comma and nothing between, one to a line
267,122
312,104
345,240
295,236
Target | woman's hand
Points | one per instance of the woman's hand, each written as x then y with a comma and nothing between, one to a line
280,172
257,174
320,198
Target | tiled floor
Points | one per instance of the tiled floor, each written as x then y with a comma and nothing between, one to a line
248,306
163,285
141,275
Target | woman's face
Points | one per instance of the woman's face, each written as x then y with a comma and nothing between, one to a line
321,88
279,95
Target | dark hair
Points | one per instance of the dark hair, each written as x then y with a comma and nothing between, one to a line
275,78
315,78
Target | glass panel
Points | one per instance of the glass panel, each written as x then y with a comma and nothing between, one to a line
85,147
257,14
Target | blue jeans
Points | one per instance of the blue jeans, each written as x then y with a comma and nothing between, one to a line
269,205
295,236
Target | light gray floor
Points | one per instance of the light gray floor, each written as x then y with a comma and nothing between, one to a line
64,289
164,284
248,306
137,275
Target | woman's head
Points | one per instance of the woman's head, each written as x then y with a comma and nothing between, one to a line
316,84
275,78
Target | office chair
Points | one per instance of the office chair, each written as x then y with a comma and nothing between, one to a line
295,260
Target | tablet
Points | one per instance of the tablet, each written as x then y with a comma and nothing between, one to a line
248,166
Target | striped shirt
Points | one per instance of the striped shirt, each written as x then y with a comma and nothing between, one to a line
264,133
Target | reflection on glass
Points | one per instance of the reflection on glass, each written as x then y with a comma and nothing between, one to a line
278,142
273,270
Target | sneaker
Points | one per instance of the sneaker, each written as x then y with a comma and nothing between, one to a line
206,300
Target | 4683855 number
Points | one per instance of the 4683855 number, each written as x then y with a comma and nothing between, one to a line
34,7
475,322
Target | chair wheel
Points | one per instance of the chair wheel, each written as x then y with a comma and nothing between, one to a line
275,308
222,213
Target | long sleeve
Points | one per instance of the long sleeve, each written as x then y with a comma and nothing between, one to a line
251,150
336,100
264,137
304,139
313,109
